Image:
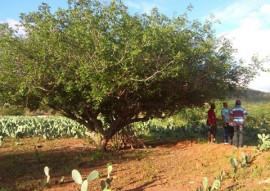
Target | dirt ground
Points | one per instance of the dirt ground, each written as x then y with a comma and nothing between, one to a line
162,166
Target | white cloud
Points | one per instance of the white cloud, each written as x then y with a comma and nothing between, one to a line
261,83
132,5
141,6
251,35
12,22
265,9
235,12
15,25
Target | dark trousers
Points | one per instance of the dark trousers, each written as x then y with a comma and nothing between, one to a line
212,133
228,133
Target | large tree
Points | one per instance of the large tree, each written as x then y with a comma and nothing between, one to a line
100,65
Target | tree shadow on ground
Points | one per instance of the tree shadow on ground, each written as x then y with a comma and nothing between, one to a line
19,170
142,187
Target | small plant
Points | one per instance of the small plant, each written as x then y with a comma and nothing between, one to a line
246,160
220,176
48,177
216,185
264,142
234,164
106,185
62,179
77,177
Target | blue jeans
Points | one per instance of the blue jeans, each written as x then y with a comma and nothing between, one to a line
228,133
238,135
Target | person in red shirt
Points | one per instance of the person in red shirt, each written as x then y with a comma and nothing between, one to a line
212,123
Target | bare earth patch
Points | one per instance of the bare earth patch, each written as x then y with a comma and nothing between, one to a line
163,167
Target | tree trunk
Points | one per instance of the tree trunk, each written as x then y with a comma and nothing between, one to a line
99,139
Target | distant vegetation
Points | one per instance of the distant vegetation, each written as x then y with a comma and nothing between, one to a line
187,124
256,96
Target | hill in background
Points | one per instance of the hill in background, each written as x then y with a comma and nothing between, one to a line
255,96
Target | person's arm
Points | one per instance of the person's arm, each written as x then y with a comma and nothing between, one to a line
231,116
245,114
222,115
245,117
214,118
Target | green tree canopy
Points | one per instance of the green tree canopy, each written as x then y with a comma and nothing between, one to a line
105,68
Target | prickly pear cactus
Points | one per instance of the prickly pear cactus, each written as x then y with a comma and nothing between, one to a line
215,185
84,186
47,173
109,170
93,175
205,183
234,162
77,177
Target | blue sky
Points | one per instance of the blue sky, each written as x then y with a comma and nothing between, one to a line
245,22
